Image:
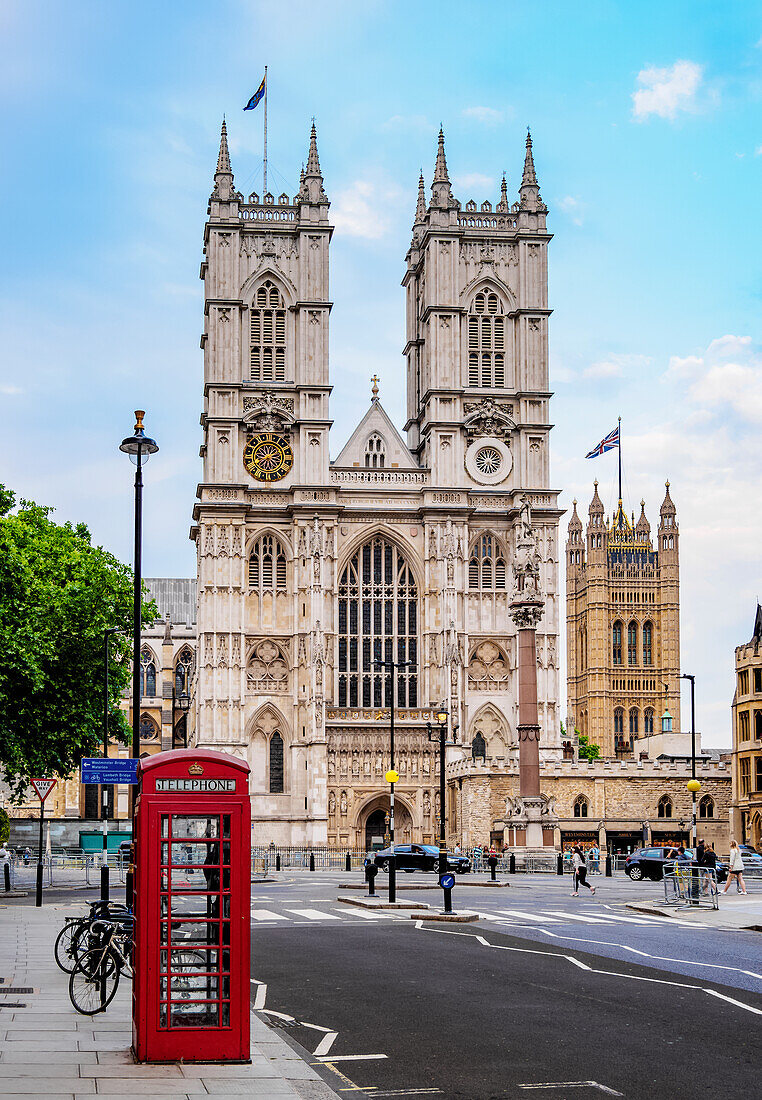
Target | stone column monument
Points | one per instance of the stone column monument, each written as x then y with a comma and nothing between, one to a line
531,810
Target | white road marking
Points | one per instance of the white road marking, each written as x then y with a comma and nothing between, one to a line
312,914
573,1085
352,1058
576,916
419,925
261,995
325,1044
528,916
367,916
279,1015
266,914
616,918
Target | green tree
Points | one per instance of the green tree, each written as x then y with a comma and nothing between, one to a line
586,750
5,827
58,593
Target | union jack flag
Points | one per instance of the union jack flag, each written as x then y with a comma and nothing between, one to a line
608,444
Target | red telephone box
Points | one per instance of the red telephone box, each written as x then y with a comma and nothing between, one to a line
192,905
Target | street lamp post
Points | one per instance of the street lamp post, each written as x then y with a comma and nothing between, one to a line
391,775
438,732
693,784
104,787
139,447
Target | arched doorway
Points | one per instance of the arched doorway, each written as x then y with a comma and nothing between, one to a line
375,830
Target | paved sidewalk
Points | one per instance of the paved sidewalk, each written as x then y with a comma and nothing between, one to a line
736,912
48,1049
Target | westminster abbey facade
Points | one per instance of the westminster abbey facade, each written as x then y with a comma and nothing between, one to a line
312,572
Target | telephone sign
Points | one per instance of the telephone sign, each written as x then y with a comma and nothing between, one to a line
43,787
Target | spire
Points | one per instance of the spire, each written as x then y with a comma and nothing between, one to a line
313,177
667,508
441,195
529,176
502,206
643,529
596,504
223,177
575,523
420,210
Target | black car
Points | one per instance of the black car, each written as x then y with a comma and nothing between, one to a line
649,863
421,857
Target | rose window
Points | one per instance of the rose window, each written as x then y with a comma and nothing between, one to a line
488,460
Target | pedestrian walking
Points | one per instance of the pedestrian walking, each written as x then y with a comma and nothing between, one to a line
595,859
735,870
27,856
580,871
709,871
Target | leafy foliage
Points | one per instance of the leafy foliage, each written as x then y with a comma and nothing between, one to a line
5,827
58,594
586,750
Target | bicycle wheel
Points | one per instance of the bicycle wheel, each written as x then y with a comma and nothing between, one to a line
64,948
86,978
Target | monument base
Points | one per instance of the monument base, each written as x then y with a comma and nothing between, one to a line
528,822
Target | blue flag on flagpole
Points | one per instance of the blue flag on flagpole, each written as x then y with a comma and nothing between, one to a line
257,95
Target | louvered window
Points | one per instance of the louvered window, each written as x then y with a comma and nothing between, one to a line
486,567
267,565
486,342
268,335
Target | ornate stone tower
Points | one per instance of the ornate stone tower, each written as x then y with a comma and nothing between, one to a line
260,547
623,626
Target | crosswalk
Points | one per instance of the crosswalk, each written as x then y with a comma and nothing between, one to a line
536,919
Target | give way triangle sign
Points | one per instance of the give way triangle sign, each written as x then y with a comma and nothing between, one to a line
43,787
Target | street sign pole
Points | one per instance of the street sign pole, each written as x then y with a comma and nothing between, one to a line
43,787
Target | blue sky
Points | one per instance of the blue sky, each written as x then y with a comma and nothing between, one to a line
648,146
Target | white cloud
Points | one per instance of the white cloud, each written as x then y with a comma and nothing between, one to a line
758,151
474,180
10,391
572,207
615,366
725,346
726,379
664,92
488,115
365,209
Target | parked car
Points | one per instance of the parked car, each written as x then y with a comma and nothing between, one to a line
649,863
421,857
752,860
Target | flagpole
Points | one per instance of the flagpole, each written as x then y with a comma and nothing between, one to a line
265,158
619,448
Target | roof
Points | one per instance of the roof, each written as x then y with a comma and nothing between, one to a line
376,421
175,597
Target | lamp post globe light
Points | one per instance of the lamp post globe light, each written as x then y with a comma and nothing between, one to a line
139,447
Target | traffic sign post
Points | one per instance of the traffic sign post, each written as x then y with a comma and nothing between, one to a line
447,881
108,769
43,787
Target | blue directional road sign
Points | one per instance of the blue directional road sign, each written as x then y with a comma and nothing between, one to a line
108,769
447,881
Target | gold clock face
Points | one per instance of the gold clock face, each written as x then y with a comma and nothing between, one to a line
268,457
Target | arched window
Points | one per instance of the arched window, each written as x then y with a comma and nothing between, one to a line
634,721
486,341
375,452
706,806
147,673
580,806
486,567
648,633
664,808
268,335
149,731
632,644
378,621
183,667
276,764
616,643
648,720
478,748
619,720
267,565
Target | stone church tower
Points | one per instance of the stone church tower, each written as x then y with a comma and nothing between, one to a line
309,569
623,625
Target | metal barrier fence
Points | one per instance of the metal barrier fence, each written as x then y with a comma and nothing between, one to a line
323,858
690,886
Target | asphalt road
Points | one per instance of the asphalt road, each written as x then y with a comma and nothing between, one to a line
497,1009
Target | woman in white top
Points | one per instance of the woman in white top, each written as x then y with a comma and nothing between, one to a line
580,871
735,871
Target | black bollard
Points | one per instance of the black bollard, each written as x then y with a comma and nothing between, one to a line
608,866
7,877
493,868
104,882
277,861
312,861
448,900
560,864
348,863
512,864
370,877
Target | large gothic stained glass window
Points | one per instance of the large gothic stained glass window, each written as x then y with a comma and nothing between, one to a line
378,620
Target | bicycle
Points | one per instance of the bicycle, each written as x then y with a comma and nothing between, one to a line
95,978
71,940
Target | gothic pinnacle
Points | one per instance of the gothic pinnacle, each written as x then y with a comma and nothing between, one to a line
420,210
313,163
440,169
223,159
529,176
